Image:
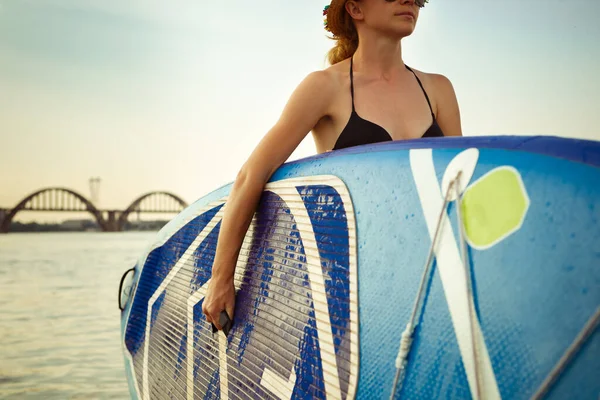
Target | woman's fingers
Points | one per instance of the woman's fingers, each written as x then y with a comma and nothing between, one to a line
219,298
212,316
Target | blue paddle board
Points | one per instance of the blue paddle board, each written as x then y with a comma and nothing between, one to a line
425,269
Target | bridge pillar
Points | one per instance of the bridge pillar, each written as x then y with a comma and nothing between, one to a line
112,222
3,213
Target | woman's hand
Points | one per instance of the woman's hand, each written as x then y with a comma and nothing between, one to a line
220,296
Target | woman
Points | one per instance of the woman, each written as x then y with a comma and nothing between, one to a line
367,95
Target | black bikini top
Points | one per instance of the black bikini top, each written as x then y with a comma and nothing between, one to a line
359,131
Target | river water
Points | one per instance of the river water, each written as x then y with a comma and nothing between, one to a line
59,317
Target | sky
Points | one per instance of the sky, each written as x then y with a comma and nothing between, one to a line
154,95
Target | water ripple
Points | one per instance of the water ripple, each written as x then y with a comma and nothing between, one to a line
59,329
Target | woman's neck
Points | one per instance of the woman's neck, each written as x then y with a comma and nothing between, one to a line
379,57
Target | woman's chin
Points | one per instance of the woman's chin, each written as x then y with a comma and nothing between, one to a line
399,32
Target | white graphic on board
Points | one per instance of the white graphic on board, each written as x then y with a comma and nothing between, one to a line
317,284
451,266
174,271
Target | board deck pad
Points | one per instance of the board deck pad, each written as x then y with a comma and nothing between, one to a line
294,283
330,269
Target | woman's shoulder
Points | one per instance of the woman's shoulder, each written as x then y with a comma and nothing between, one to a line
329,79
439,84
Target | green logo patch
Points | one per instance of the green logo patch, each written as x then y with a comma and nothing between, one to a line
494,207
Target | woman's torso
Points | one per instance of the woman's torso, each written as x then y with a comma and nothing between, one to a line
369,110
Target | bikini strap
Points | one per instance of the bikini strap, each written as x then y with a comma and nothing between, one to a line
352,81
423,89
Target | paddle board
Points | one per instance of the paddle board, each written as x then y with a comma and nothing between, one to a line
483,251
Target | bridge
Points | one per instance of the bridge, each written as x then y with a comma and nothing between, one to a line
58,199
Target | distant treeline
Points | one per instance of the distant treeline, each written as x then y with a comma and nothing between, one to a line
82,226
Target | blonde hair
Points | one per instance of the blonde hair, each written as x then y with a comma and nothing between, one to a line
340,24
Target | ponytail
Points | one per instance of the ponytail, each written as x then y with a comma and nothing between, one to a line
343,49
341,25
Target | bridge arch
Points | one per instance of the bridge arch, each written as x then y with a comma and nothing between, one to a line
170,197
52,199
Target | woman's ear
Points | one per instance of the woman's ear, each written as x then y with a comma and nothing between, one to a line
353,8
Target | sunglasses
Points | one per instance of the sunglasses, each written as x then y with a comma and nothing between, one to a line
419,3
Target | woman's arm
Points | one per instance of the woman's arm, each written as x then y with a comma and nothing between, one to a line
309,102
